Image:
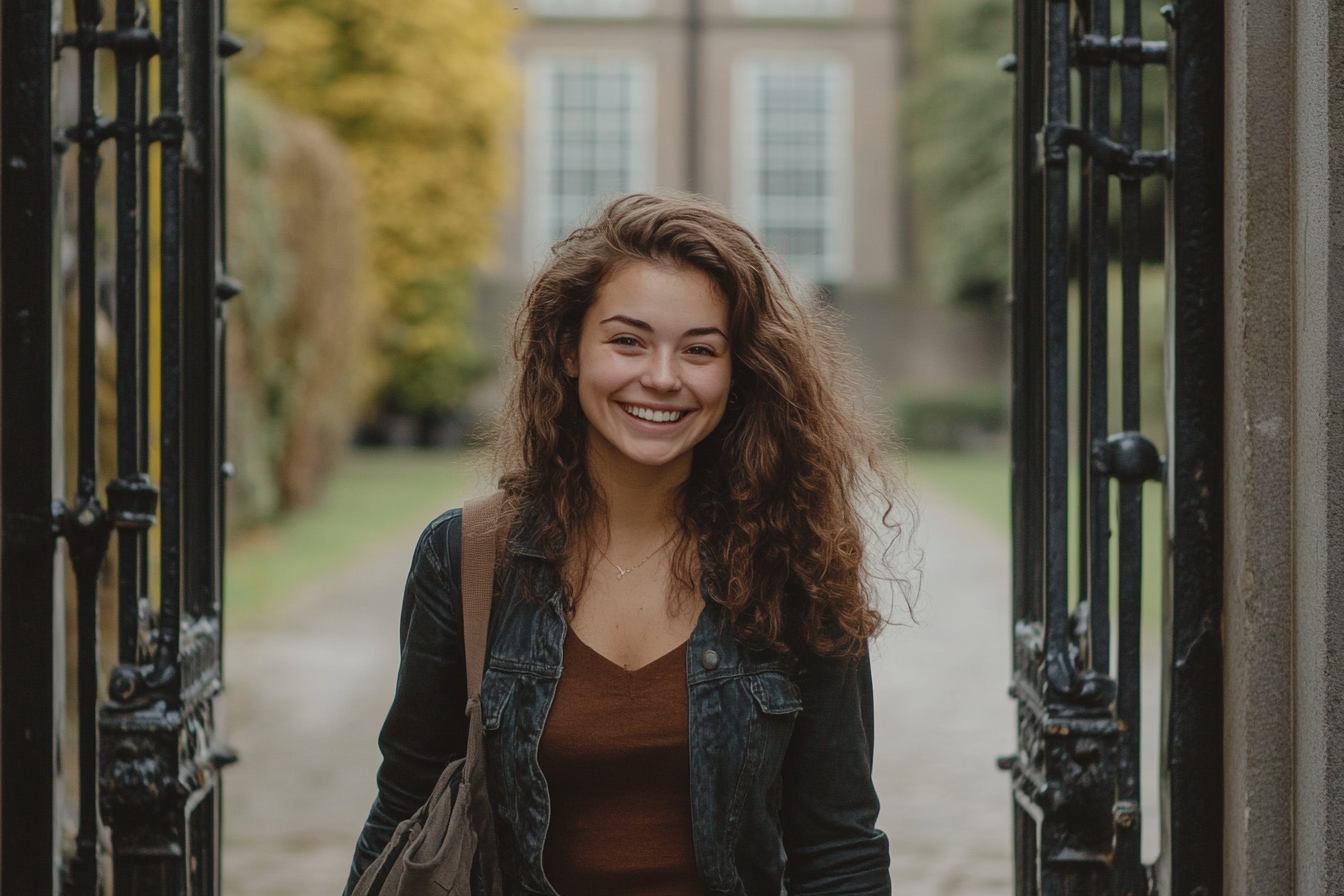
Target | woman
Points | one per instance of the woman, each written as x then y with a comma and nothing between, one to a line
677,697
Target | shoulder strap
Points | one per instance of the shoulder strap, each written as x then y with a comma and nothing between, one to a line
480,522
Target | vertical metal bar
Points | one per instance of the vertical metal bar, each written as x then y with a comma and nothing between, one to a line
85,526
142,302
200,359
221,447
1028,424
29,613
1193,761
1093,346
1059,667
130,387
1131,878
1028,421
170,129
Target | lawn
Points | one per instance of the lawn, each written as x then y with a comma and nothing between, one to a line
375,495
978,482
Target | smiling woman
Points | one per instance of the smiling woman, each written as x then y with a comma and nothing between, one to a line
677,691
653,366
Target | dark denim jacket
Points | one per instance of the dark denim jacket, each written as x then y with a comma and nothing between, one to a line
781,761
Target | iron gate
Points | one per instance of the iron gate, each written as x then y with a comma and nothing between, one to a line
1076,772
144,261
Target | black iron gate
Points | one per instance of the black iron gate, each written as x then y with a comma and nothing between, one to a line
142,262
1076,772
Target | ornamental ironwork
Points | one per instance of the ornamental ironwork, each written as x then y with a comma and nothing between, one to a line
147,264
1076,669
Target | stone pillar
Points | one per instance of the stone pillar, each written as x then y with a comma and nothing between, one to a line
1284,612
1318,456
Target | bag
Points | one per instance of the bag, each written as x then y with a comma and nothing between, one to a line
432,852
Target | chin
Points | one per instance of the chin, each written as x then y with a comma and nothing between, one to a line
652,458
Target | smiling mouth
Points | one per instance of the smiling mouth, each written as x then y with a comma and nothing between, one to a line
651,416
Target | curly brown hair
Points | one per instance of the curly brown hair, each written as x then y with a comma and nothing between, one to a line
770,514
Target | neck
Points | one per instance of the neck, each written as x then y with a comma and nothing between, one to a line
639,498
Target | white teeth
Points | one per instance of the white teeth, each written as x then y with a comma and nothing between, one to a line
653,416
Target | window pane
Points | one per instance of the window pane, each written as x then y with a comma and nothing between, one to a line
792,157
590,7
588,138
787,8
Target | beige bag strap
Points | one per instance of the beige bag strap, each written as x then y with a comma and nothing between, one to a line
480,525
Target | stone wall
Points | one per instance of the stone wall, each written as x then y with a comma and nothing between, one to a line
1284,613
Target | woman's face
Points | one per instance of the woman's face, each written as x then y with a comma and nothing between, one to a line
653,364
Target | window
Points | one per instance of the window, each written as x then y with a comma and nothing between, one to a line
791,161
781,9
588,134
615,8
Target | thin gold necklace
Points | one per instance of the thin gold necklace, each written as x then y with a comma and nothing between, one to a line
621,573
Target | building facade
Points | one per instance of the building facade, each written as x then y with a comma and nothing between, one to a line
783,110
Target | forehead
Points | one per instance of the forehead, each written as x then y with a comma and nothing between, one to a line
661,294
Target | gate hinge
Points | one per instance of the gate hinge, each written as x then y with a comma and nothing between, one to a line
129,43
1116,158
167,128
1094,49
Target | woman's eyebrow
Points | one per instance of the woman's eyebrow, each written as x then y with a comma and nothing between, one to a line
641,325
629,322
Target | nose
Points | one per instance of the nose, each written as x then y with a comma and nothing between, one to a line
661,373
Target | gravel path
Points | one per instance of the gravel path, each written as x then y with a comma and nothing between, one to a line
307,691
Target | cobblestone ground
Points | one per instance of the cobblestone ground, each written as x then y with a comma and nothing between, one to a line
308,689
943,715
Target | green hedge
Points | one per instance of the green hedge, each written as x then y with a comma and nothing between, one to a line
296,356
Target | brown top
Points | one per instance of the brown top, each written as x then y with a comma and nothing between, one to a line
616,758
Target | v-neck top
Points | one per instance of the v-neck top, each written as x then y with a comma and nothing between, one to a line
615,754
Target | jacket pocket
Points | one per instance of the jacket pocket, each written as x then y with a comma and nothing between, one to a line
496,691
774,693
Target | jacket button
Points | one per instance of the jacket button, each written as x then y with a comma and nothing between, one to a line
710,659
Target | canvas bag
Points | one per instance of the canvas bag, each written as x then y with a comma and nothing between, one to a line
432,852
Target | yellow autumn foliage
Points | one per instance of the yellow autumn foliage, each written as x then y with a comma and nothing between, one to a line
422,94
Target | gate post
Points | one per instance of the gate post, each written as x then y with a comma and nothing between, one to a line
31,628
1192,675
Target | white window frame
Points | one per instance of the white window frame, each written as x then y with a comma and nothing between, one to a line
619,9
539,208
788,9
836,260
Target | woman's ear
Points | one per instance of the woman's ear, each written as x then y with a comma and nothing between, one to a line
569,359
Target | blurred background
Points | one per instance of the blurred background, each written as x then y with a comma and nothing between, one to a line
397,170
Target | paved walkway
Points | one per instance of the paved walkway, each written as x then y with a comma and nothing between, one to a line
308,690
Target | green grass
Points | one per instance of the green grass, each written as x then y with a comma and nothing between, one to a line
978,483
375,495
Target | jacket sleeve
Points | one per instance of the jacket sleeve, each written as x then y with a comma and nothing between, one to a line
426,727
829,807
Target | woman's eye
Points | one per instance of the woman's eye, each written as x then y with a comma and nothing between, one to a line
703,350
629,341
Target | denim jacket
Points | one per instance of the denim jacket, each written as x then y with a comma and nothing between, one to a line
782,799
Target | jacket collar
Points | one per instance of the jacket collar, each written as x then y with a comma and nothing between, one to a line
525,536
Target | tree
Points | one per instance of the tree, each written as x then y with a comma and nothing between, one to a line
960,118
422,95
